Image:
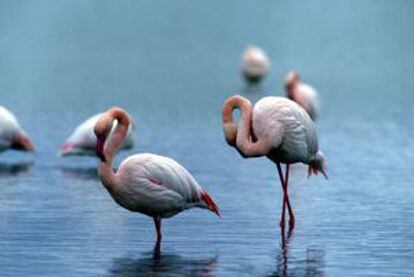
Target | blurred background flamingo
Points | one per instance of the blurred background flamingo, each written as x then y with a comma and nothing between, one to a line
12,136
303,94
255,64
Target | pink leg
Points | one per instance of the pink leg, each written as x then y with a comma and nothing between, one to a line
291,215
286,202
282,219
157,222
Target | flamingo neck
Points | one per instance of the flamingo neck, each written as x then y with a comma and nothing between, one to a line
291,90
117,137
241,136
108,176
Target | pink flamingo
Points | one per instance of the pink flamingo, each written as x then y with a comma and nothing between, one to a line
303,94
277,128
153,185
12,135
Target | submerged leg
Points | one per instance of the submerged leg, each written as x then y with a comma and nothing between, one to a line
282,219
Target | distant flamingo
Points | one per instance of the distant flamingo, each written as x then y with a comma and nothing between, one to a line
277,128
12,135
153,185
255,64
82,142
303,94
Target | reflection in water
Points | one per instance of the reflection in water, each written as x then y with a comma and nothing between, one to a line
88,173
155,264
311,265
14,169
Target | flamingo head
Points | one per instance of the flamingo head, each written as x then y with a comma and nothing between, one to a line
291,79
102,130
230,133
317,164
22,142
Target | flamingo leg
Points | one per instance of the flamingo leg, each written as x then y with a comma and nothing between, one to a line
291,215
282,219
286,202
157,222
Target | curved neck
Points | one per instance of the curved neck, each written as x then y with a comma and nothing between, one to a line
241,137
116,137
115,140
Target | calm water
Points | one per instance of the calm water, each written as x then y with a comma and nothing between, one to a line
172,64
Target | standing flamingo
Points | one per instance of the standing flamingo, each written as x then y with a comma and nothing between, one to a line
255,64
150,184
303,94
12,135
82,142
277,128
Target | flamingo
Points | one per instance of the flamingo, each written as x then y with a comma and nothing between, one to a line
277,128
12,136
150,184
83,141
303,94
255,64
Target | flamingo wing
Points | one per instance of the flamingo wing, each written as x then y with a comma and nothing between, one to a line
288,124
159,180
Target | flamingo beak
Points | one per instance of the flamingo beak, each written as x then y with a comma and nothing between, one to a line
212,206
22,142
315,171
215,210
324,173
100,148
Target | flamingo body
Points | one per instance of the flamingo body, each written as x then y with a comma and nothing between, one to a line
12,136
156,186
82,142
289,128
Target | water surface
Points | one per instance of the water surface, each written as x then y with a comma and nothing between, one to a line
171,64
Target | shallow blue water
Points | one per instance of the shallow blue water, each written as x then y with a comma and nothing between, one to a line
171,64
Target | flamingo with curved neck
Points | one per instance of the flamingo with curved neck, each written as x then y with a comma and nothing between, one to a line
150,184
277,128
